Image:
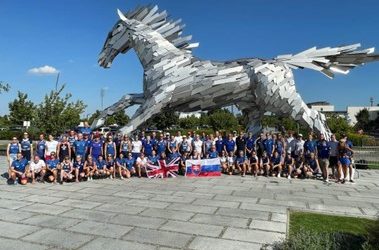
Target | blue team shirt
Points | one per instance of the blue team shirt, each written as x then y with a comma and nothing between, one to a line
240,159
275,160
219,145
125,147
268,143
101,164
230,144
129,163
41,146
78,164
173,156
323,149
20,165
250,143
148,147
310,147
153,159
52,164
26,145
97,148
279,147
213,155
161,146
80,147
14,148
86,131
110,149
121,161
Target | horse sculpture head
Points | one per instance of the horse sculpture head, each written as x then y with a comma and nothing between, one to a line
118,40
140,22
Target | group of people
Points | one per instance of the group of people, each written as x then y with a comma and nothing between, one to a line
86,155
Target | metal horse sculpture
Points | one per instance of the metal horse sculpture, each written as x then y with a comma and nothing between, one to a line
176,80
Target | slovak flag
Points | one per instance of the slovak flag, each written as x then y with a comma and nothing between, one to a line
163,170
203,168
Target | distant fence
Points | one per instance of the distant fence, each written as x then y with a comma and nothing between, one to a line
367,155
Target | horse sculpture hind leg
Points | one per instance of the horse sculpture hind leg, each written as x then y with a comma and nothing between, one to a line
125,102
276,92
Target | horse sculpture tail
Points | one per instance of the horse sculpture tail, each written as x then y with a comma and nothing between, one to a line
330,60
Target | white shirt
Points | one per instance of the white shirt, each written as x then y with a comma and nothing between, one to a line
198,145
142,162
178,139
37,166
51,146
136,146
299,147
222,159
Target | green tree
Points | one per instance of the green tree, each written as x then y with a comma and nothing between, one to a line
57,113
164,120
190,122
338,125
223,120
21,109
119,118
363,120
4,87
94,116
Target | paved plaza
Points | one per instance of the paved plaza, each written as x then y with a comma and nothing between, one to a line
229,212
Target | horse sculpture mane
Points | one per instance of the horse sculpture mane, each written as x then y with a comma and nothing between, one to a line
176,80
159,21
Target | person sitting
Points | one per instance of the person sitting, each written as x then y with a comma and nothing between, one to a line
223,162
212,154
121,166
182,162
174,154
52,167
254,164
89,168
37,169
276,164
110,166
289,166
19,170
241,163
100,167
141,164
66,169
311,167
78,166
129,163
265,163
230,161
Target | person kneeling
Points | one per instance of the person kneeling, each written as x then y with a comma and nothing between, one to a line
311,167
101,166
110,167
241,163
52,168
66,170
37,169
254,164
89,168
19,170
78,167
276,165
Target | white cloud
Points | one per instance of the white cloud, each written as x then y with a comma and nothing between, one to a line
44,70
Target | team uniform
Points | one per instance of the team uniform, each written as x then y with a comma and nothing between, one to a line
309,147
219,145
80,147
230,145
14,148
41,148
96,149
161,147
20,165
64,150
148,147
136,148
26,149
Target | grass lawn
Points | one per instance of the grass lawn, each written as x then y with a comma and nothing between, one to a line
313,231
328,223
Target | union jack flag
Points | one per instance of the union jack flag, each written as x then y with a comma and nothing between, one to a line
163,170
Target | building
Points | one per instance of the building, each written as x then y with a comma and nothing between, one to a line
321,106
189,114
353,111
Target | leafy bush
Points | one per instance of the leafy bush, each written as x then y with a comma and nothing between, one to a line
362,140
309,240
372,236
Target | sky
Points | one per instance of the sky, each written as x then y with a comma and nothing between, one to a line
38,38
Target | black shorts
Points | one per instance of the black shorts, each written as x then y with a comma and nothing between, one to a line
333,161
26,154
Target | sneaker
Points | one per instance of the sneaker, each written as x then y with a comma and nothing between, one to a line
122,177
15,182
243,175
343,181
289,177
111,177
278,175
352,181
326,181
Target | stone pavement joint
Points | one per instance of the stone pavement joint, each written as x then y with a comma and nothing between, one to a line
228,212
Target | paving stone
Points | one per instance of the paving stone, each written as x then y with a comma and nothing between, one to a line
138,221
250,235
216,203
68,194
13,204
92,215
146,203
205,243
103,191
269,226
175,199
14,215
338,209
58,238
167,214
51,221
243,213
101,229
192,208
42,198
10,244
212,191
235,198
109,207
106,199
195,195
287,203
111,244
12,195
193,228
45,208
279,217
134,195
262,207
220,220
158,237
78,203
15,230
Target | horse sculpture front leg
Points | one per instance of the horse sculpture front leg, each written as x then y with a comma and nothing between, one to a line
125,102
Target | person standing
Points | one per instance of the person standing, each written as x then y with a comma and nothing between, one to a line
26,147
136,147
41,147
147,146
161,145
13,149
333,159
51,146
110,147
80,147
198,145
230,145
269,145
63,149
71,139
250,145
125,146
310,146
299,146
96,147
323,151
241,143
